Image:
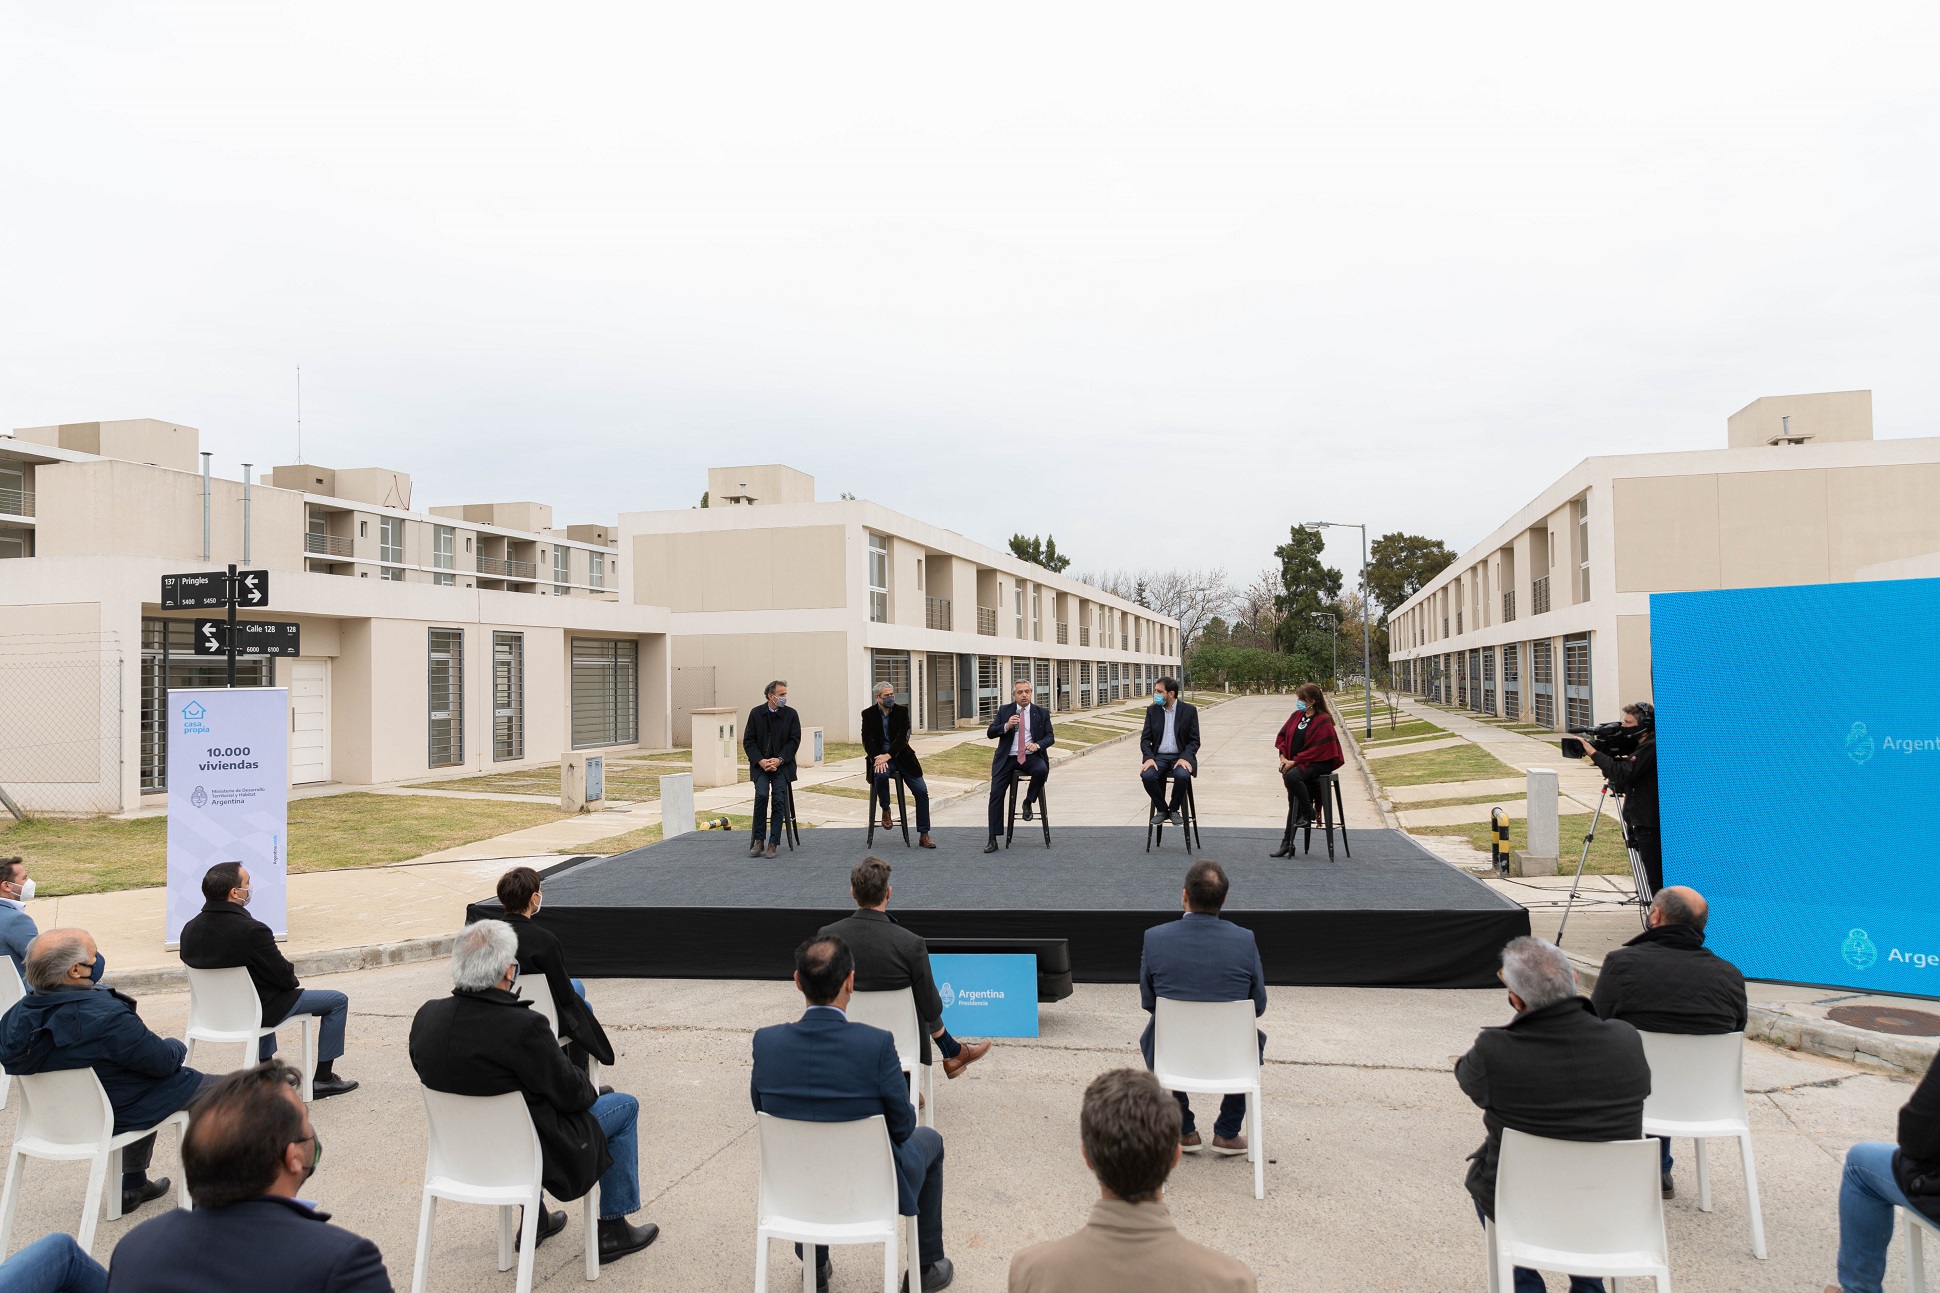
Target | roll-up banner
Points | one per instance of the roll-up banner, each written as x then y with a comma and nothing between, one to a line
228,797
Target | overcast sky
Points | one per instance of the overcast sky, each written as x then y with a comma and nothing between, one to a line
1158,279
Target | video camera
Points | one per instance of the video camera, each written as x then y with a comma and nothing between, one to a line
1613,739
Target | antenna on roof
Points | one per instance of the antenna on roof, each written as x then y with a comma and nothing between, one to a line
299,412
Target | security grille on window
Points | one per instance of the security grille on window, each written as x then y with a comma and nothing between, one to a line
562,566
1064,686
606,692
508,696
1542,681
1576,682
596,570
168,660
1512,680
891,667
1041,689
446,689
1488,680
1020,671
878,579
390,538
1084,684
989,687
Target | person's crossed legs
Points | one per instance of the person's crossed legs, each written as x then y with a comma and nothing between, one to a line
53,1264
1155,778
1868,1193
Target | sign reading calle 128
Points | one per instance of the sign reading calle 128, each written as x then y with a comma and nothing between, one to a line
987,996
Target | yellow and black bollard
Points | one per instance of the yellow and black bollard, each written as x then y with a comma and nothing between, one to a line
1499,841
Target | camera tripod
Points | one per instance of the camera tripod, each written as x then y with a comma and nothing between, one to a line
1637,871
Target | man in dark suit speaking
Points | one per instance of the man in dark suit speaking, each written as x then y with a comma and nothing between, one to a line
1170,744
771,736
822,1068
885,744
1022,732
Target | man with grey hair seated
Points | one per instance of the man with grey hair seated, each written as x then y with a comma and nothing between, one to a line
484,1040
1555,1070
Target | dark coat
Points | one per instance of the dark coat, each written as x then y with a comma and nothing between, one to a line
1666,981
902,756
490,1042
822,1068
226,936
1557,1071
1185,730
1917,1164
889,958
772,736
1635,778
97,1028
1040,733
262,1243
541,953
1198,957
1309,742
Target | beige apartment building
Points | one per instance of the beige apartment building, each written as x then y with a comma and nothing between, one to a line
767,583
1549,616
434,643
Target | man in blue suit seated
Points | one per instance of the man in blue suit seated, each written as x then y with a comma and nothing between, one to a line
1169,745
17,928
1023,733
822,1068
249,1150
1200,957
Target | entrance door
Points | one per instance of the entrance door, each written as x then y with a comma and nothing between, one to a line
309,721
943,693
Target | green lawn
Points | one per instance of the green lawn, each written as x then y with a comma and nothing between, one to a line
1085,734
969,761
1492,800
1455,763
99,854
1607,855
1415,731
839,791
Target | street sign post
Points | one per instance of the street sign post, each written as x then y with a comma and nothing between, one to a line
195,592
249,637
252,589
230,637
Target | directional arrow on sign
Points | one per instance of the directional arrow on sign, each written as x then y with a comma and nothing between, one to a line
252,588
209,637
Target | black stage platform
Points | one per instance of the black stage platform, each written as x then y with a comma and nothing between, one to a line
698,907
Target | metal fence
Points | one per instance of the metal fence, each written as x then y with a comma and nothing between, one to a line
60,724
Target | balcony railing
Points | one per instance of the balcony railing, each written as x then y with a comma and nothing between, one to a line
1458,621
1539,597
507,569
328,545
1084,635
17,502
937,613
1508,606
1064,635
987,621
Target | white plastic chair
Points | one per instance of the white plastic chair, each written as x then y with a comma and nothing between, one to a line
1917,1228
534,988
484,1149
11,991
1697,1089
1213,1048
1580,1207
65,1115
829,1183
224,1010
895,1013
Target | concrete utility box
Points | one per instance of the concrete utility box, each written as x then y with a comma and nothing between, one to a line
582,782
810,753
1540,858
676,804
717,747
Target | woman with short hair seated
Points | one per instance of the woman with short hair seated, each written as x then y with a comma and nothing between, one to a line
1309,749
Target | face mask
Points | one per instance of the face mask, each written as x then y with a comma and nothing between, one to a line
1158,698
514,988
26,890
1299,706
99,967
316,1157
246,896
781,702
887,700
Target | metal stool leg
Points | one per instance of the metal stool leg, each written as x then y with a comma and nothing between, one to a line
1044,813
1340,815
1327,816
870,843
902,808
1010,810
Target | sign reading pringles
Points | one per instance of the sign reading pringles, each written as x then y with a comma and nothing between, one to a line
987,996
228,801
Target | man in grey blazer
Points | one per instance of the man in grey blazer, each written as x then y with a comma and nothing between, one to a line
1201,957
17,928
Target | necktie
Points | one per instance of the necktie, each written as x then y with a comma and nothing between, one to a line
1023,722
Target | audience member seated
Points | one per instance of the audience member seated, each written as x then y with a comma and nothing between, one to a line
1129,1135
52,1264
1666,981
824,1069
225,937
1880,1177
1023,733
1555,1070
1309,749
68,1021
1200,957
483,1040
250,1147
1169,744
889,958
17,928
885,744
521,894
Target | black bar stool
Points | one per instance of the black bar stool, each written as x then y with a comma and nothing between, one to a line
1189,810
1043,811
902,807
1333,808
791,830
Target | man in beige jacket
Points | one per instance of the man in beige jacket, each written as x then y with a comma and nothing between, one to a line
1130,1132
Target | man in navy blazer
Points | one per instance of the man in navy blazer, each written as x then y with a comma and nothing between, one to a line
248,1151
1023,733
822,1068
1169,745
17,928
1200,957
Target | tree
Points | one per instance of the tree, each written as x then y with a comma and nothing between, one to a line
1192,597
703,498
1400,565
1307,585
1044,553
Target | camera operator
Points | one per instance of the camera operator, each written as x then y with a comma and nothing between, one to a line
1634,776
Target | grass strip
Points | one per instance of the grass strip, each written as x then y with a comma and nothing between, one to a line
1455,763
1607,856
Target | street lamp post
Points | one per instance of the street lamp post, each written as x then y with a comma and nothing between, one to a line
1367,633
1333,633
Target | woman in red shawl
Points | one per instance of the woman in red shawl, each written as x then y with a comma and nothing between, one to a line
1308,748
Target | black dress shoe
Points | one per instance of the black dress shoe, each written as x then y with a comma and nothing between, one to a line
1285,850
619,1237
146,1192
1027,810
991,847
935,1277
605,1089
324,1087
550,1224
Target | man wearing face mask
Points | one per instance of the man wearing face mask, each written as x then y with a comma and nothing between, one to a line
249,1149
885,744
67,1021
771,736
225,936
1170,746
17,928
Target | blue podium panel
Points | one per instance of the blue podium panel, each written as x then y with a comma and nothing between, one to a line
987,996
1798,734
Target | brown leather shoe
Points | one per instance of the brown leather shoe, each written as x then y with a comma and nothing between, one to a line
1229,1145
887,824
772,852
925,841
1190,1142
970,1054
754,849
